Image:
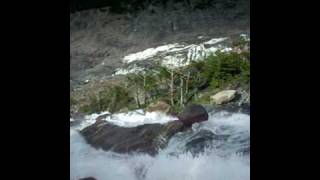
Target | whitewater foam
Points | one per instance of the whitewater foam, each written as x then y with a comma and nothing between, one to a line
88,120
136,118
130,119
220,163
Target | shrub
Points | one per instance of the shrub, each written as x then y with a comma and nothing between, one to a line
111,99
72,101
226,68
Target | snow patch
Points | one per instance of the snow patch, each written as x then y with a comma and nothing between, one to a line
215,40
124,71
245,37
193,51
175,55
147,53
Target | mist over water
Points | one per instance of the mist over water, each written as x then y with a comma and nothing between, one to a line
221,162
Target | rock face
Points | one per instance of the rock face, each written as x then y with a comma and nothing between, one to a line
147,138
223,97
159,106
192,114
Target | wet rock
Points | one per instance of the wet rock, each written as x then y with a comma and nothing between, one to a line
192,114
245,108
167,131
147,138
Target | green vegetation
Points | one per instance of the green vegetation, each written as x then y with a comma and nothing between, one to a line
193,83
225,69
140,84
72,101
111,99
92,107
202,99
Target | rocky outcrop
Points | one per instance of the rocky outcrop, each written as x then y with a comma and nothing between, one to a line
223,97
147,138
193,114
160,106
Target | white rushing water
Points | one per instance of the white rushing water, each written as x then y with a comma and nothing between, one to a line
219,163
130,119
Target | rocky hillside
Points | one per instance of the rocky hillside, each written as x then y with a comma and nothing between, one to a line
120,6
107,44
100,38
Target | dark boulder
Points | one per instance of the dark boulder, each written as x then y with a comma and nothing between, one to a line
147,138
192,114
